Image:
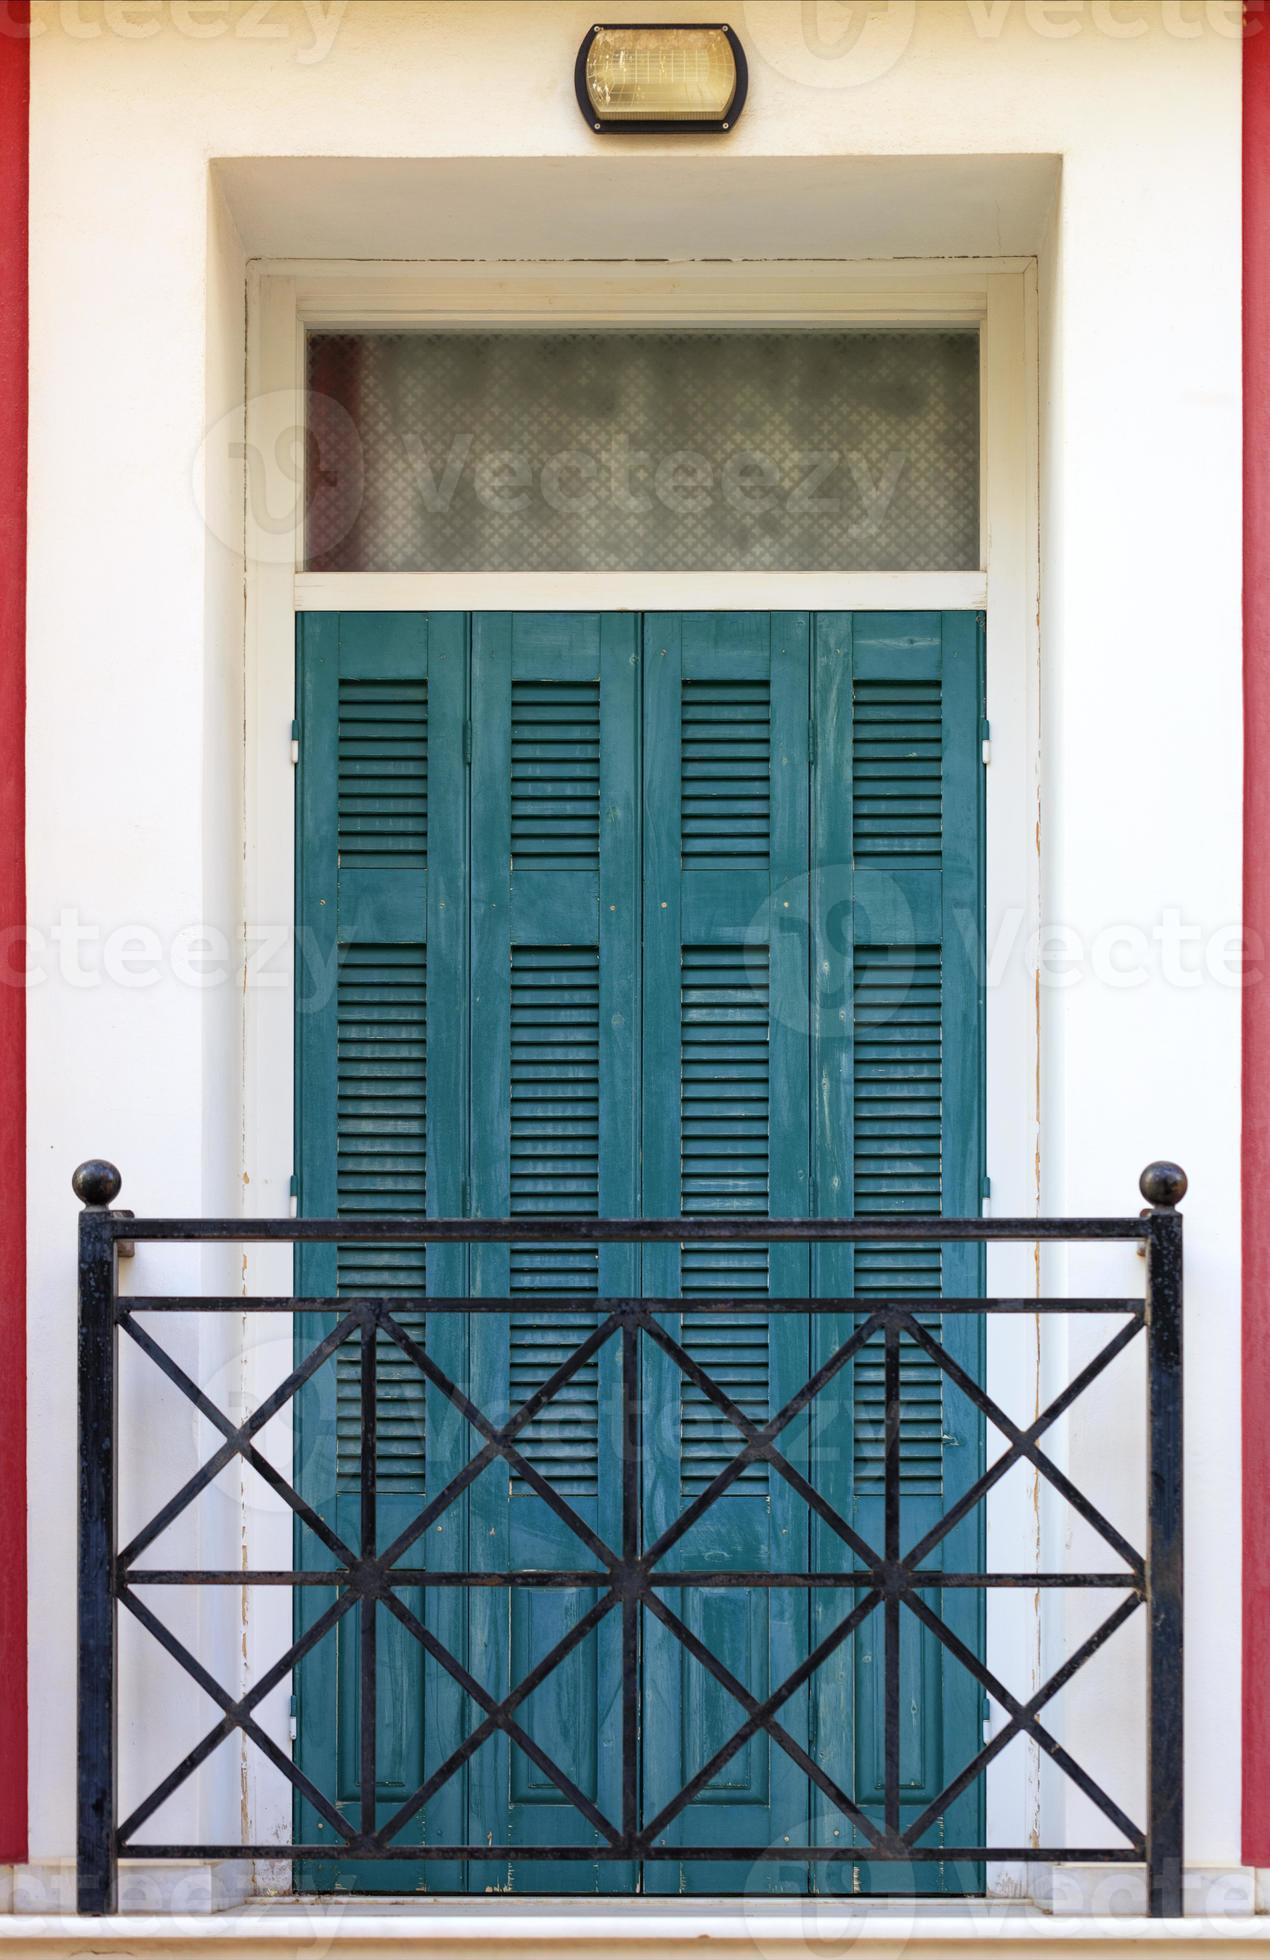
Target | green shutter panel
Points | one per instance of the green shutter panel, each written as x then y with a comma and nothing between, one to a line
725,1130
725,770
897,746
554,1098
380,899
897,1163
554,1127
725,1098
898,1057
381,1044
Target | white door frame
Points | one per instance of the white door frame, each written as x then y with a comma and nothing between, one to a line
999,296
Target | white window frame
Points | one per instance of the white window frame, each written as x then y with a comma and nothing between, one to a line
285,299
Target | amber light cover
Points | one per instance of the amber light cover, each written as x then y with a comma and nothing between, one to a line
661,77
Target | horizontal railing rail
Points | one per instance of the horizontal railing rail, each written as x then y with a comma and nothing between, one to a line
630,1578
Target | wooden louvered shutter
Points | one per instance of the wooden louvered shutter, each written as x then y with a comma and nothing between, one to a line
725,1130
745,985
896,918
381,1114
555,1098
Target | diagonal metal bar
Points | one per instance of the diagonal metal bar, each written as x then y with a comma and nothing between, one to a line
975,1768
237,1715
237,1437
484,1730
494,1709
1063,1484
1027,1723
759,1720
498,1441
760,1442
1021,1446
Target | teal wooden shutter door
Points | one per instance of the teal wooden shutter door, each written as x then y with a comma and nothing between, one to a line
381,1094
706,946
896,911
725,1130
555,1015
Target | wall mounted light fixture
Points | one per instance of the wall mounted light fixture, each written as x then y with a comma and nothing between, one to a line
655,79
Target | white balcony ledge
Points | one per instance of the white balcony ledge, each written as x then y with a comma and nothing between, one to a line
539,1928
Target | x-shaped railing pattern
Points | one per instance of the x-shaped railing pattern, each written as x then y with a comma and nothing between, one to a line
370,1578
631,1578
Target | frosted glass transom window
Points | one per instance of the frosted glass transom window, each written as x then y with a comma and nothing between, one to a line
602,451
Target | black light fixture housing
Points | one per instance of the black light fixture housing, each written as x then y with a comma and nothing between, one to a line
661,78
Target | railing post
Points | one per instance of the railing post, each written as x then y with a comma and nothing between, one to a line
96,1184
1163,1185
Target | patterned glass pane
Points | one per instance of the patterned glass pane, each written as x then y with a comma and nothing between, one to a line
702,451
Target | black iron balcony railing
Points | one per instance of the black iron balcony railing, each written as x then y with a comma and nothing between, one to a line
629,1581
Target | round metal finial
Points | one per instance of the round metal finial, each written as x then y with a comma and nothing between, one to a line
1163,1184
97,1183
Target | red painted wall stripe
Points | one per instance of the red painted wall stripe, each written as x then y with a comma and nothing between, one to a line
14,123
1256,998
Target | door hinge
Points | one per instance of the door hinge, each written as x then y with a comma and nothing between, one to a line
291,1720
295,742
985,737
985,1196
295,1196
467,743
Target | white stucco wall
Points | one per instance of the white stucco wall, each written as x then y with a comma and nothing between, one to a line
135,731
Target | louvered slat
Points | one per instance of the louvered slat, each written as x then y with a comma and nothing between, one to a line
724,1166
725,774
555,775
555,1154
382,803
897,1152
382,1085
897,745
